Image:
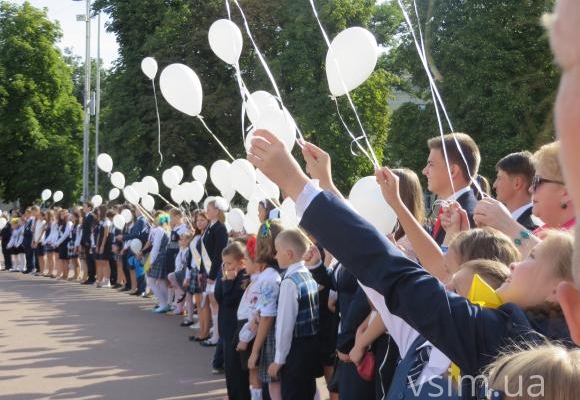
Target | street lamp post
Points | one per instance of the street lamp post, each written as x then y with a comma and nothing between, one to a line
98,102
87,99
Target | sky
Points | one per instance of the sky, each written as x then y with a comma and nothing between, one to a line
73,31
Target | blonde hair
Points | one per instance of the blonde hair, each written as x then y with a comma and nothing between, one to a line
552,369
546,158
296,240
494,273
221,213
559,247
486,243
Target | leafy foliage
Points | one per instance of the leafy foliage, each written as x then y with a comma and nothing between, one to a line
39,115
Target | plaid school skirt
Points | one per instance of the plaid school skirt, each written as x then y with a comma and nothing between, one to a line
267,354
72,251
157,270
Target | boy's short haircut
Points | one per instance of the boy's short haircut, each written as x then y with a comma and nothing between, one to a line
520,163
297,240
176,212
187,236
468,148
234,249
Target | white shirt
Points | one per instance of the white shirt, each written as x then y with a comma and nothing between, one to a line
458,194
79,234
157,234
181,259
269,286
62,236
39,231
287,313
53,235
247,309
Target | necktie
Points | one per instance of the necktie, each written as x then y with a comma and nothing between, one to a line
418,365
437,226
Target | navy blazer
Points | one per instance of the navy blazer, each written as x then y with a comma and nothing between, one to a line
526,220
215,239
87,229
139,230
471,336
467,201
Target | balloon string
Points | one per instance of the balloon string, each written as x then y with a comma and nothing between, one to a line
166,201
370,154
215,137
261,57
158,126
355,140
437,95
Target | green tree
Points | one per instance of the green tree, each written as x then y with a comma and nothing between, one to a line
494,70
288,36
40,118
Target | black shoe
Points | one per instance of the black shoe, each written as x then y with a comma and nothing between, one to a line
117,286
125,289
88,282
186,323
137,293
208,343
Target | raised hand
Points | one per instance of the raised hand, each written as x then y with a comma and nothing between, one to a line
389,183
269,155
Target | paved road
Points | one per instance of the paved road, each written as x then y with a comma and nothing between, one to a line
62,340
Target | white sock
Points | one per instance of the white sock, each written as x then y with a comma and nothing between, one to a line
256,393
157,292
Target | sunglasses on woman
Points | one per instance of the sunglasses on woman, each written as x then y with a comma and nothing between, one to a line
538,180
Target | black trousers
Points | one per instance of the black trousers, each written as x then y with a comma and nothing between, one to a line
298,375
91,266
237,378
7,256
30,258
113,266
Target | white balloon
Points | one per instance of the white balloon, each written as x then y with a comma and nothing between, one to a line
178,194
251,223
178,171
236,219
243,177
140,188
127,215
367,199
225,40
170,178
288,214
46,193
199,173
252,207
119,221
149,67
151,184
197,191
97,200
118,180
131,195
266,188
351,59
229,194
57,196
148,202
182,89
3,222
114,193
265,112
220,175
105,162
136,246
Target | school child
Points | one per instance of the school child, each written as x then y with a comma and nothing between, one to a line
268,282
5,236
297,320
40,252
15,245
229,292
64,231
248,315
178,228
197,282
182,273
156,276
50,237
75,244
